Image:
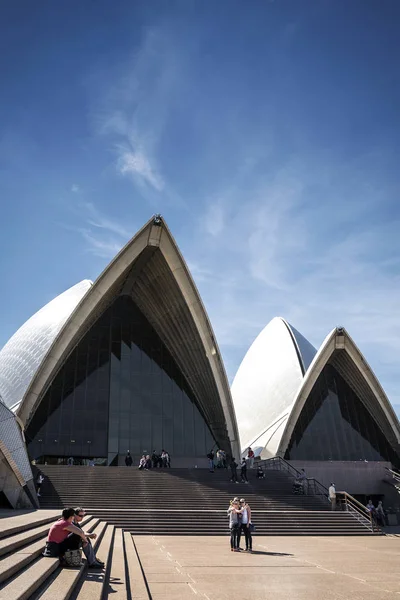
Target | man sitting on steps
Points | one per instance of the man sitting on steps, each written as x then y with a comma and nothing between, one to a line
93,561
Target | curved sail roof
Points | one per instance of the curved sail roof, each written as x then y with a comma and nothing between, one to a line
23,353
278,374
152,271
339,350
267,381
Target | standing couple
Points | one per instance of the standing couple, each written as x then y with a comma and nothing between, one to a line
239,514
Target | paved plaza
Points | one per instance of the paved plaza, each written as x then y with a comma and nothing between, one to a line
281,568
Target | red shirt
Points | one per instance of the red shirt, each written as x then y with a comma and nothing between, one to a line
57,532
250,454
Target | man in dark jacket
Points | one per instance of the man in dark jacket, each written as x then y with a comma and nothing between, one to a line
128,459
234,466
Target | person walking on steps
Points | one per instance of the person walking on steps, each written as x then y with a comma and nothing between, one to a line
243,471
128,459
234,466
210,457
332,496
245,525
39,482
155,459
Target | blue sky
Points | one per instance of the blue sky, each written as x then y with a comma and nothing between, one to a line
265,132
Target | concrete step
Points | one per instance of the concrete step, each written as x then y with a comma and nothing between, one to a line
136,585
62,584
10,544
92,585
16,561
27,582
13,524
177,501
118,582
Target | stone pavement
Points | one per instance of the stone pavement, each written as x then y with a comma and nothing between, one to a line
281,568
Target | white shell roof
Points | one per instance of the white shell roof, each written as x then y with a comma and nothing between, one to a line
23,353
267,381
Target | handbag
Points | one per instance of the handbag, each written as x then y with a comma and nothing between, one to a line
252,527
73,558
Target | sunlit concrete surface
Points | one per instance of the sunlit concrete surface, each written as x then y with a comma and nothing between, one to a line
281,568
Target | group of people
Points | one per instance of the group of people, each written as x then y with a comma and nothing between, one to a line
239,513
147,462
220,455
66,535
243,471
377,513
300,483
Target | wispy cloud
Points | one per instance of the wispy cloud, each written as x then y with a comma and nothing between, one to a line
100,221
309,245
101,247
75,189
137,164
102,235
133,111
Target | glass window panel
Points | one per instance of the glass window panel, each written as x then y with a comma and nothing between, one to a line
340,429
119,388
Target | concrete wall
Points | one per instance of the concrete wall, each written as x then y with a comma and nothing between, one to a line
353,477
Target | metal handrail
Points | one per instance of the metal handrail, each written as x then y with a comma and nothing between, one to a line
284,465
362,514
319,488
359,511
395,475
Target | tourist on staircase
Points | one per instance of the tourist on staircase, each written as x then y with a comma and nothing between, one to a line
332,496
155,459
302,479
245,525
250,458
39,481
142,463
59,539
210,457
380,514
234,466
128,459
165,459
93,561
260,472
243,471
372,510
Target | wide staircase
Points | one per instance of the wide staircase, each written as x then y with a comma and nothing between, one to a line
26,575
124,504
191,501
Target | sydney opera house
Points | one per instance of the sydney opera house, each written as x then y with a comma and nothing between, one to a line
130,362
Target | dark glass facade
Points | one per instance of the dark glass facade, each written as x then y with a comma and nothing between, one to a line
119,389
335,425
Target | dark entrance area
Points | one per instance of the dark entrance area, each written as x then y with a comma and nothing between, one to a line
120,389
335,425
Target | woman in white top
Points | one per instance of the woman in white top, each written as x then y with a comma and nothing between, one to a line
234,512
245,525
